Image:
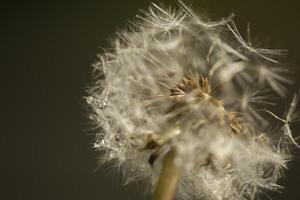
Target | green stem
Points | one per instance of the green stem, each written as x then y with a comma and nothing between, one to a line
169,177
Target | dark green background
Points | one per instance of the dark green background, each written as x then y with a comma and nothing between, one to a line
46,53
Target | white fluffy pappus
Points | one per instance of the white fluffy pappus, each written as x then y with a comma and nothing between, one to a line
173,80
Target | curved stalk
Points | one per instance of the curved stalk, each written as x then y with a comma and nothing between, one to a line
169,177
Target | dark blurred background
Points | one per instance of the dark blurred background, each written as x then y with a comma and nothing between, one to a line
47,49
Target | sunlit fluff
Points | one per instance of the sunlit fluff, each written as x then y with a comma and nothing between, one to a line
172,80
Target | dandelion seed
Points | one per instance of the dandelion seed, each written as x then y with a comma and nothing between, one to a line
175,97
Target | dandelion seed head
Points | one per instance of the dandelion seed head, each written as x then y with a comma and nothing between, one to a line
173,80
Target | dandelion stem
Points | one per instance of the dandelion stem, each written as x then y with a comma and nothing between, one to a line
169,177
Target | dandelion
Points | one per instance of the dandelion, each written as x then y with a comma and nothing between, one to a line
184,105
